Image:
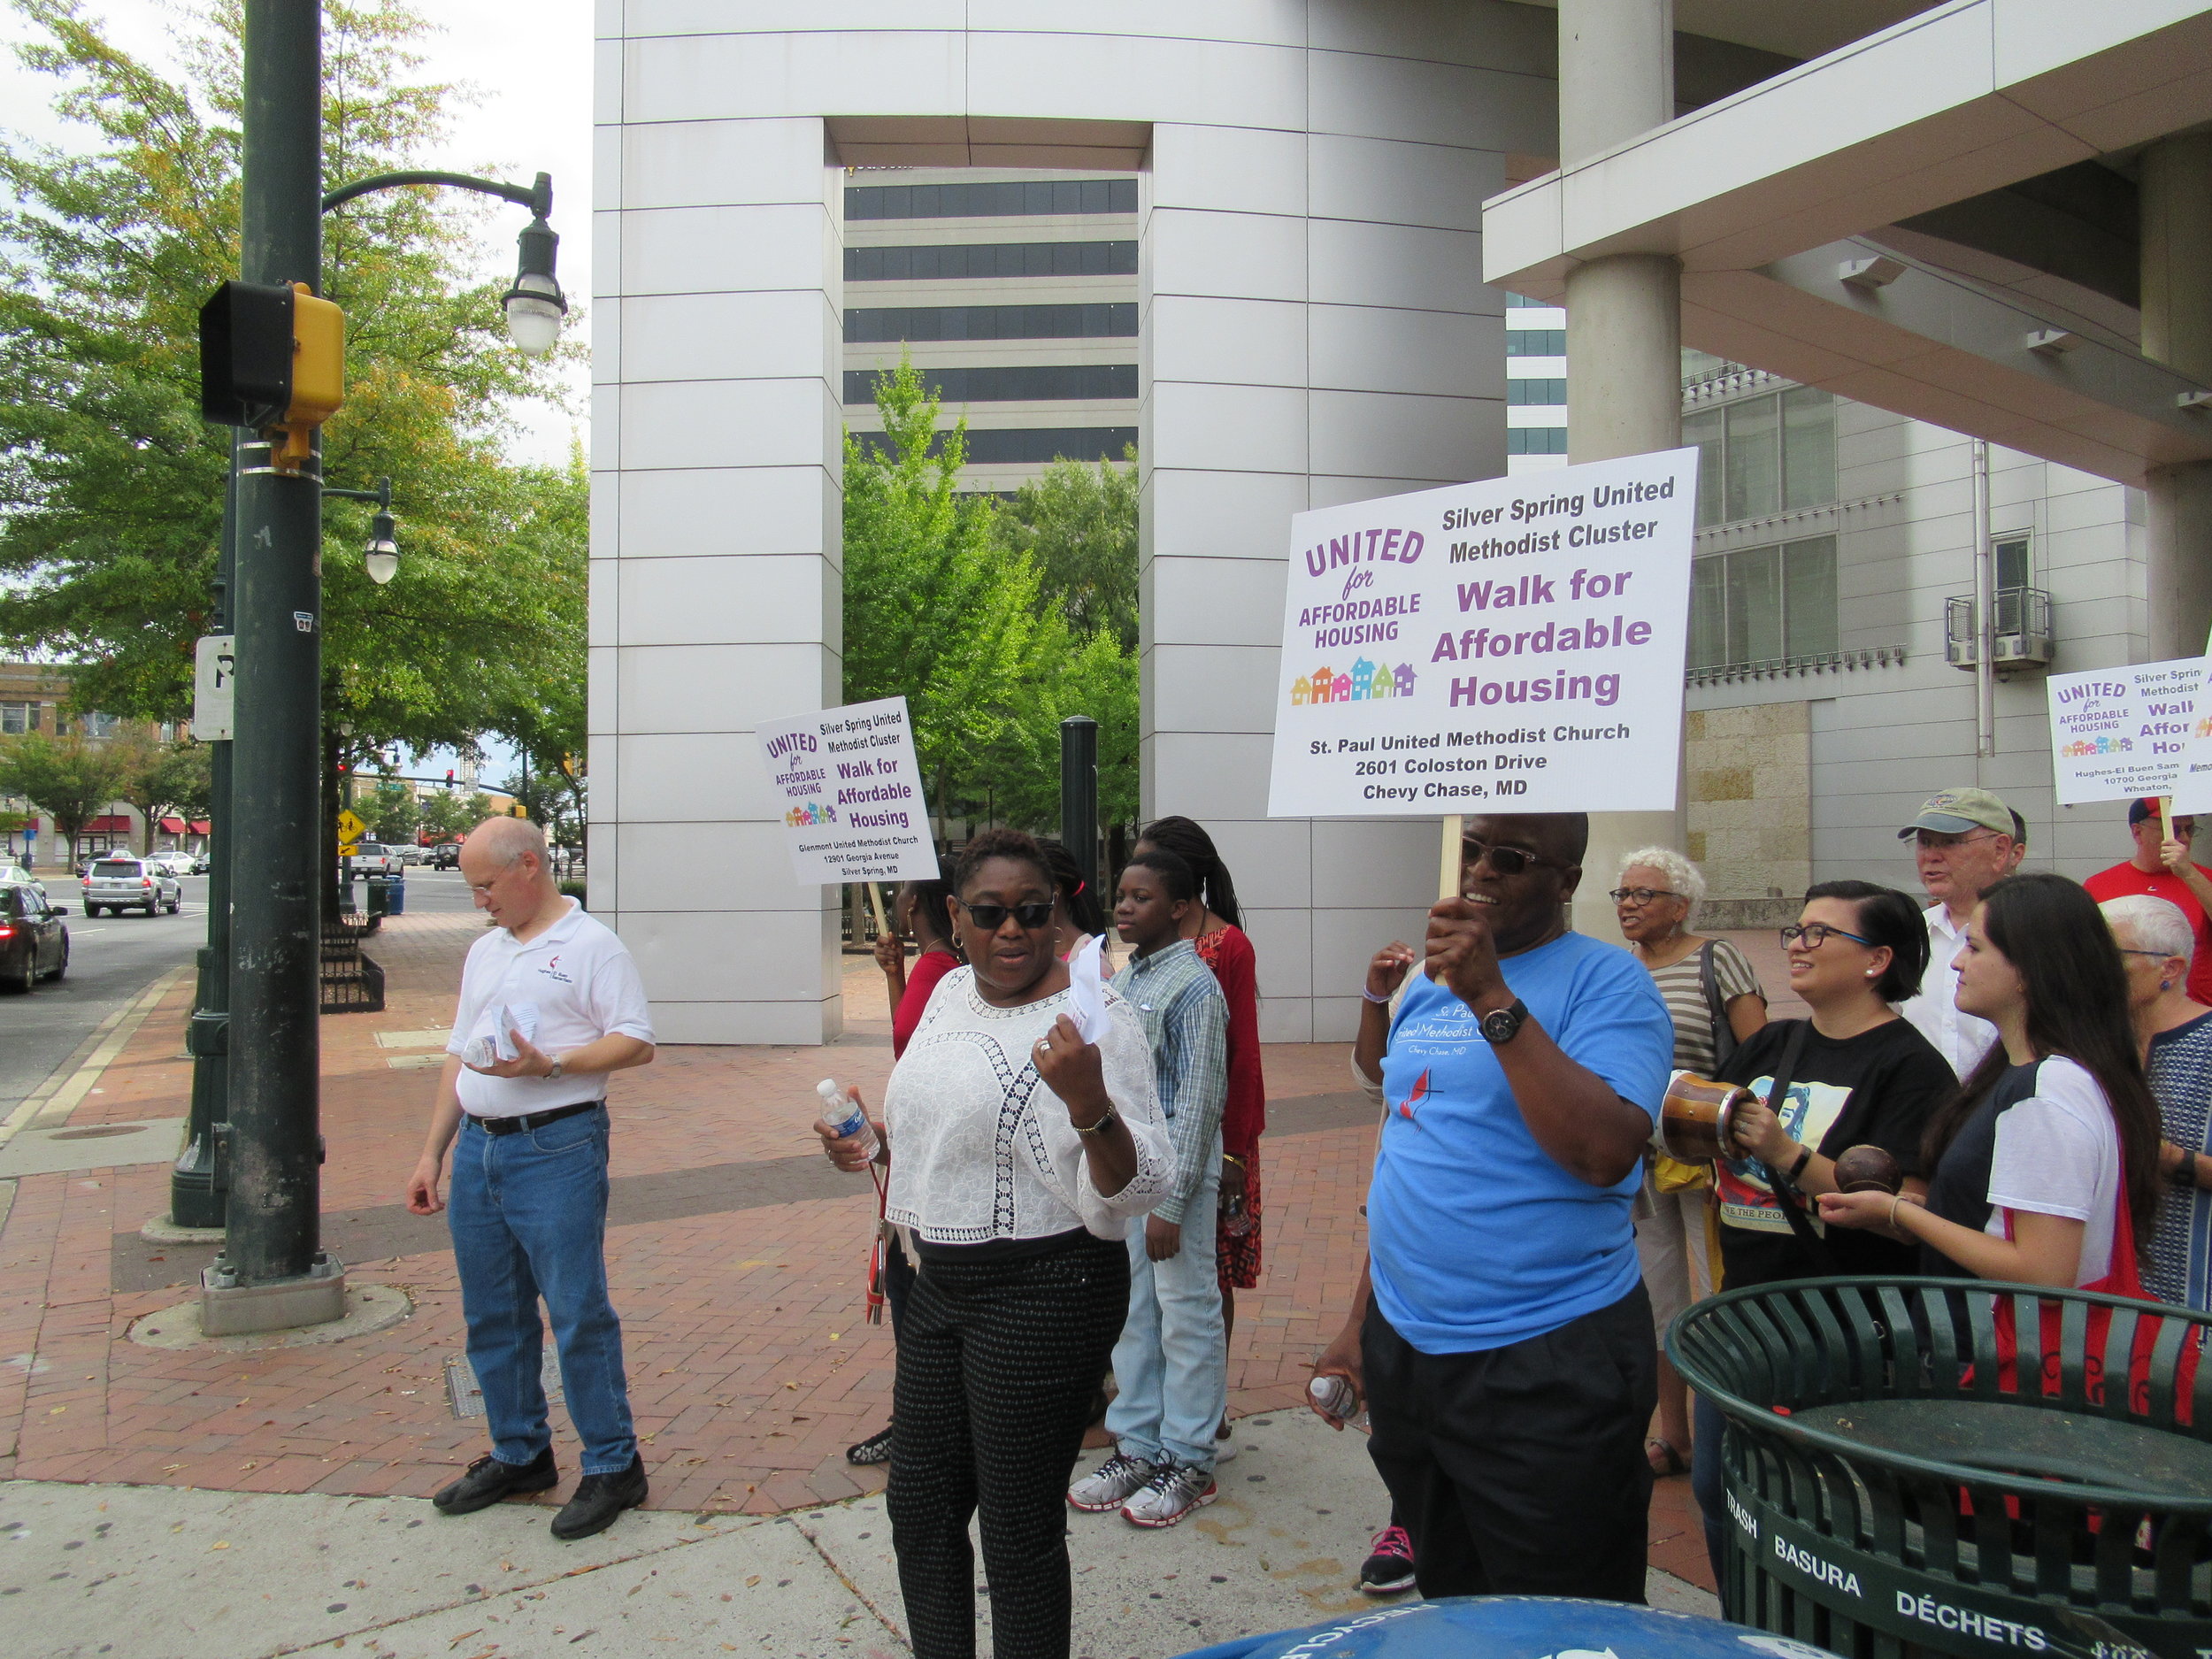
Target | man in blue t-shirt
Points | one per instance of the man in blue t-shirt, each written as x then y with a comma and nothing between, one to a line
1506,1348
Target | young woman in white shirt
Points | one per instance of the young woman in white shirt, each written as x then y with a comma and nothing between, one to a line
2044,1165
1018,1156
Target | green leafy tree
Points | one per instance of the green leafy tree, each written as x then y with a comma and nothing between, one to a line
936,609
69,779
444,816
391,813
1078,524
160,779
110,485
1093,677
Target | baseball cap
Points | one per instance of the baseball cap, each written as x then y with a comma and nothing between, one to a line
1955,811
2148,807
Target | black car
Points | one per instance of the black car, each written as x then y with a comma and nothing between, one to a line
33,942
445,855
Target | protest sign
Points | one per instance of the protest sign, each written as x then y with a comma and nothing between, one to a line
2117,733
2192,790
851,794
1514,645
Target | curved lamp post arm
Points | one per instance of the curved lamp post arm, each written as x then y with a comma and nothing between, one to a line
537,197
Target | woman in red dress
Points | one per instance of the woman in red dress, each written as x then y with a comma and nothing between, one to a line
1213,927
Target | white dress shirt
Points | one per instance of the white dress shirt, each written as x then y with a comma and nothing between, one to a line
1962,1039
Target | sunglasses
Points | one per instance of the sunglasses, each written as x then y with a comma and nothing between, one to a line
1815,934
990,917
1507,861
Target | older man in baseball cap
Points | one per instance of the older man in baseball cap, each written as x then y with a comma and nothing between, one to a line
1966,841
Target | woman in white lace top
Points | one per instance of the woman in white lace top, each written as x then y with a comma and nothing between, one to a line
1019,1155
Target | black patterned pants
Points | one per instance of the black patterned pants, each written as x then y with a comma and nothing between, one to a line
997,1363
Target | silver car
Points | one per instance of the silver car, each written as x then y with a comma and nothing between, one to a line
131,884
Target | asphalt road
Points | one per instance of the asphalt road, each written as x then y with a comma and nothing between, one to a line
112,959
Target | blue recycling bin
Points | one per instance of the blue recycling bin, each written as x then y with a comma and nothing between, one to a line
387,896
1517,1627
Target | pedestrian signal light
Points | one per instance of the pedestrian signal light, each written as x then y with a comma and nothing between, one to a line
273,358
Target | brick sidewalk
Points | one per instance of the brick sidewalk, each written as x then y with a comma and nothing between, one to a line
736,1257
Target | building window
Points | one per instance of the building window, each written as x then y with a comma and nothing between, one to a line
892,323
18,718
1765,604
2015,568
1536,441
1020,446
974,260
1535,342
1019,383
1523,394
1760,456
1023,197
1522,302
101,724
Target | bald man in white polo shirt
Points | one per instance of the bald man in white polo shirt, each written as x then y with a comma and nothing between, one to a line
551,1003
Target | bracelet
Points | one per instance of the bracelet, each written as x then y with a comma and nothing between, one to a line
1105,1121
1231,1158
1895,1199
1371,996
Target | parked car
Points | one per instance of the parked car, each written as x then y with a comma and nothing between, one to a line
177,863
34,939
445,856
411,855
131,884
373,858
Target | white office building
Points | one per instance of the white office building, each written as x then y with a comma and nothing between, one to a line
1886,231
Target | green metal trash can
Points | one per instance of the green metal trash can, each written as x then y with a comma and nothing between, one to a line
379,895
1897,1484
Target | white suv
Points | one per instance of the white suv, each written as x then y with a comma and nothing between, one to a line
373,858
131,884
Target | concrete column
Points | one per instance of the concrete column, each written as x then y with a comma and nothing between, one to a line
1623,328
2176,255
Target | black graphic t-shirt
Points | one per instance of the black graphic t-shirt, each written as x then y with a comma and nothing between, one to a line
1959,1189
1874,1089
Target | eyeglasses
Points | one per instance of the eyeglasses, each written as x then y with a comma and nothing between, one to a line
1640,896
2155,955
1507,861
990,917
1815,934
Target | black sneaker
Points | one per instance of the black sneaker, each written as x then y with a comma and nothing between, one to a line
598,1500
488,1480
1390,1569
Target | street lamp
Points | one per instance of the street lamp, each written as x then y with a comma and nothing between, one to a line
380,557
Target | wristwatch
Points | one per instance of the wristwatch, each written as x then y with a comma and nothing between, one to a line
1501,1025
554,1075
1105,1121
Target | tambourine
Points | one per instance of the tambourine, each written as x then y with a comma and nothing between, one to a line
1696,1117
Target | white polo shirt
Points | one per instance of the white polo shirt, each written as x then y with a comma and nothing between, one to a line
580,978
1962,1039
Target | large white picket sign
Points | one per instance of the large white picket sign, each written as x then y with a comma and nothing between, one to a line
851,794
1513,645
2118,733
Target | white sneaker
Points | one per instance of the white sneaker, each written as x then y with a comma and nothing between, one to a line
1170,1495
1106,1487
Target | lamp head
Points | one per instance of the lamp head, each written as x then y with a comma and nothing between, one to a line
381,556
535,305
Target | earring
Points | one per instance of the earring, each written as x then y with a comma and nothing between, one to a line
1870,973
2165,985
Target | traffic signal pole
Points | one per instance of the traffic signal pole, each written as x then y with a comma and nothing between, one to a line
271,1272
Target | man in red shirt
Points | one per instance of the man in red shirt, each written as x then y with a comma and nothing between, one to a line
2163,870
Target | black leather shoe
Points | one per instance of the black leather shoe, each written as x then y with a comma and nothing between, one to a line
598,1500
488,1480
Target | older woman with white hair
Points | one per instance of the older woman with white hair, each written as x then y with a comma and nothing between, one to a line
1715,1000
2175,1034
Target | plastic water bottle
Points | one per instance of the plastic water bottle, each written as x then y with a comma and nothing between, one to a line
842,1113
1335,1396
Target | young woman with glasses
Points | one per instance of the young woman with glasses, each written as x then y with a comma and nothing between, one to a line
2043,1164
1715,999
1856,1074
1019,1155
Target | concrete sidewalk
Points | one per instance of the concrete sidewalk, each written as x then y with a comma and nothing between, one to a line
145,1573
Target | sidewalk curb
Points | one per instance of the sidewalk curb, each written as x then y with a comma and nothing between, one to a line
49,1105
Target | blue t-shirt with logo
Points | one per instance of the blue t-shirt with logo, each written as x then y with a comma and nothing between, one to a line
1476,1239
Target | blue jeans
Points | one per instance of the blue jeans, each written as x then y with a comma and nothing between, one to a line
1709,1484
528,1213
1172,1364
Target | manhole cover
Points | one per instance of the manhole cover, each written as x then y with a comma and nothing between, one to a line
467,1400
99,1134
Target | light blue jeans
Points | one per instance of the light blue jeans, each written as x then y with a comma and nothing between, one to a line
1172,1364
528,1213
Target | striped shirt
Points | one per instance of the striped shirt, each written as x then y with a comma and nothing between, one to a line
1681,986
2177,1267
1187,1019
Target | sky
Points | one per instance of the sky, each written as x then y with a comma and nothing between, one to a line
529,64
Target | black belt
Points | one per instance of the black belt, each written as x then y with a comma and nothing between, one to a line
527,1121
